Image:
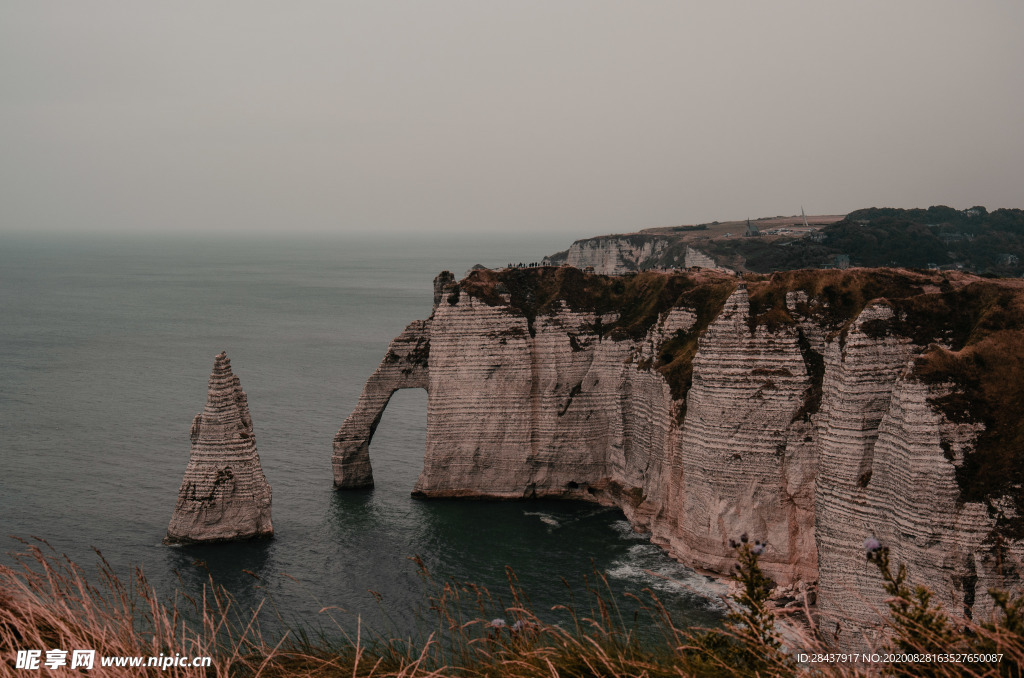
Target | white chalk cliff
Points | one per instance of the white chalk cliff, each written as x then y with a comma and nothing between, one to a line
697,259
795,408
628,253
616,254
224,495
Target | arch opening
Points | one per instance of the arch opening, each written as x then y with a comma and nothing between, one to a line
399,439
405,366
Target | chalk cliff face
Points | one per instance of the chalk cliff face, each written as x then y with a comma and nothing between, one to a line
620,254
224,495
811,409
614,255
743,462
696,259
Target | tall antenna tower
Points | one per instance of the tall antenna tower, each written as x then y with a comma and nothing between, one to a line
803,216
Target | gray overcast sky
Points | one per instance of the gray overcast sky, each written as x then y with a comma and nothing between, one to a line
586,116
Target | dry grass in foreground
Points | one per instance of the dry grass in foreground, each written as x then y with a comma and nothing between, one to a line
46,602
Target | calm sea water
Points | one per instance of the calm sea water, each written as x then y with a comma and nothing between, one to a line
105,349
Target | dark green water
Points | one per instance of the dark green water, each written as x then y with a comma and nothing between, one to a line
105,350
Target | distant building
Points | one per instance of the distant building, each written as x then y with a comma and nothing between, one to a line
752,230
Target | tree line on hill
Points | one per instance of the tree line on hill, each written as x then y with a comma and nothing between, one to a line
974,240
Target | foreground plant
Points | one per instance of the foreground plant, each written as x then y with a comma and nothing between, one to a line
920,627
750,643
46,603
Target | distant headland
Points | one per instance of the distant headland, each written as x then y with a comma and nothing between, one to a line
938,238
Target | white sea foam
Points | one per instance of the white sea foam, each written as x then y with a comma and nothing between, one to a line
648,566
545,518
626,531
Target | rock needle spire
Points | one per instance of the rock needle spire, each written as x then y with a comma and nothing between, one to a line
224,495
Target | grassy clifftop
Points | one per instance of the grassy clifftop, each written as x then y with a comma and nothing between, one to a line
637,299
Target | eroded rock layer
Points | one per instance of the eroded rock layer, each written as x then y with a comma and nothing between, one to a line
612,255
810,409
224,495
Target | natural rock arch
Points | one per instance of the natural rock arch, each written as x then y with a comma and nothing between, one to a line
404,366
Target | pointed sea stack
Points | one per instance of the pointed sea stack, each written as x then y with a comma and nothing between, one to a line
224,495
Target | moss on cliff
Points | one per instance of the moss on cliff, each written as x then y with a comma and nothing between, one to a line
974,329
983,358
833,297
637,301
675,357
973,326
